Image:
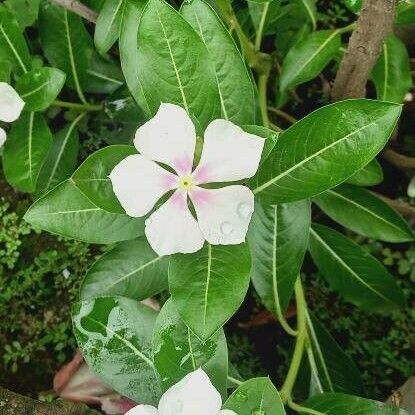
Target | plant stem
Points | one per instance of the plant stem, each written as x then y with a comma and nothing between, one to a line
283,114
287,388
234,381
262,97
261,26
77,106
78,8
302,409
346,29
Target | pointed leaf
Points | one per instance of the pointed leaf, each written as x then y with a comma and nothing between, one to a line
25,151
208,286
392,72
365,213
256,396
278,240
228,63
177,351
354,273
40,87
131,269
66,211
13,47
167,61
370,175
338,403
312,156
114,334
307,59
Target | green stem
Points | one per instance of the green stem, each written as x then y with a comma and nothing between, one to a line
346,29
234,381
261,26
302,409
262,98
77,106
283,114
287,388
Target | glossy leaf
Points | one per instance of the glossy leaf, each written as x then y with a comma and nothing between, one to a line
66,43
107,29
208,286
278,240
363,212
307,59
114,334
370,175
92,176
161,68
25,151
13,47
40,87
332,370
392,73
354,5
256,396
228,63
66,211
355,274
131,269
338,403
177,351
312,156
62,158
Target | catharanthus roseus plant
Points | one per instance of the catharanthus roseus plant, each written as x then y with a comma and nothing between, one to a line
150,128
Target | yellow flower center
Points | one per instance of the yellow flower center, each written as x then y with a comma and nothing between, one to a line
186,182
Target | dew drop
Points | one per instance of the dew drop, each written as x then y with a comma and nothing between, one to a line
244,210
226,228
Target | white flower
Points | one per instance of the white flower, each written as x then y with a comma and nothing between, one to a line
223,215
11,106
193,395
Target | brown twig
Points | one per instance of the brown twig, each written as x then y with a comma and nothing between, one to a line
14,404
398,160
79,9
365,45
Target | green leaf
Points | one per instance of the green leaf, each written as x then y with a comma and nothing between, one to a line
310,10
278,240
131,269
208,286
159,67
353,5
308,58
370,175
312,156
355,274
177,351
62,158
270,12
115,334
66,43
228,63
25,151
392,73
364,213
332,370
26,11
405,14
40,87
108,26
92,176
256,396
13,47
66,211
338,403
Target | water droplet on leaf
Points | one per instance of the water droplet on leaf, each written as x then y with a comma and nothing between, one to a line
244,210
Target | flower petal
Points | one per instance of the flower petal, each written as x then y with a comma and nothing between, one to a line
11,105
3,137
194,394
228,154
139,183
223,214
172,229
143,410
169,137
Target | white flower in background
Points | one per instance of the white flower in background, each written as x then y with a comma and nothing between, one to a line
11,106
193,395
223,215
